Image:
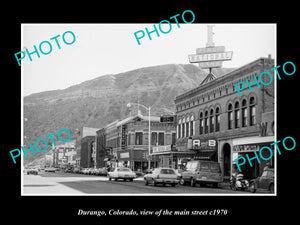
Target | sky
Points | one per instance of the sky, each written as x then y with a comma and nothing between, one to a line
101,49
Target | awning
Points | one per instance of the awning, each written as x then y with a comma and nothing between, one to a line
204,154
253,140
174,153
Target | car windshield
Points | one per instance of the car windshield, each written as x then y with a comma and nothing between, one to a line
167,171
204,166
191,165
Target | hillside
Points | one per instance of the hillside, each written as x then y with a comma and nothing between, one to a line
97,102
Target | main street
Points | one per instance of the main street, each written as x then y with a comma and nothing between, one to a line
77,184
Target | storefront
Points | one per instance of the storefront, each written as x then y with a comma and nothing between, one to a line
205,149
169,156
137,160
249,145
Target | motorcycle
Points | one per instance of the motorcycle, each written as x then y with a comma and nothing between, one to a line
237,182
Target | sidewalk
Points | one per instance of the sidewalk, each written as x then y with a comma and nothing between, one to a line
37,185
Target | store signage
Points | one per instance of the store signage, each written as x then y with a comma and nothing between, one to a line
214,64
124,155
123,137
168,119
209,144
163,148
218,56
242,148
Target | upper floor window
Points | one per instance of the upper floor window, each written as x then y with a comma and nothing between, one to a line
139,138
252,110
230,116
244,113
237,114
217,119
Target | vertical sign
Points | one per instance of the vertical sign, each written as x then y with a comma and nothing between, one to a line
123,137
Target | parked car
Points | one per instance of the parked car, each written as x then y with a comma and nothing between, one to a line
101,171
202,172
265,181
162,176
32,171
76,170
69,170
122,173
50,169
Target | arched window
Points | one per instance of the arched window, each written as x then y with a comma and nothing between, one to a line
211,121
252,110
183,127
217,119
179,129
230,116
244,113
201,123
206,122
192,125
187,127
237,114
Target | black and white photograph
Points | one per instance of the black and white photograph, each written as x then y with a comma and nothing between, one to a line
180,123
167,114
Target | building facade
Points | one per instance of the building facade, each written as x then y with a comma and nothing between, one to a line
80,141
215,123
127,140
63,155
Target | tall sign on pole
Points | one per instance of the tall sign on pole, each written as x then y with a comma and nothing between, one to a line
211,56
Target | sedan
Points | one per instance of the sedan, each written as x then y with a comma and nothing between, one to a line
121,173
162,176
265,181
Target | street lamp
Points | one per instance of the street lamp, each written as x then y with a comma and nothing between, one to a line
149,136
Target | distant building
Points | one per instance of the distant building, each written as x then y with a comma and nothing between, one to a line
215,123
83,132
63,155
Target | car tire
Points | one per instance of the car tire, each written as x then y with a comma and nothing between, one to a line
252,188
192,182
131,179
109,178
154,183
271,188
181,181
146,182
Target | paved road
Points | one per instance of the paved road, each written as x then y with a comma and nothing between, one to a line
74,184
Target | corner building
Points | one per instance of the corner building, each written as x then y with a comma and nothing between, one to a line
215,123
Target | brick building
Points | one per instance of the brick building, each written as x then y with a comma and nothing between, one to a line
215,123
127,140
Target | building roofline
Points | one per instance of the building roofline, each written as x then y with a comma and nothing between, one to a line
225,76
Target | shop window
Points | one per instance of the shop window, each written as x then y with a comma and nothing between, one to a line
201,123
139,138
237,114
244,113
230,117
211,120
161,139
153,138
206,122
252,111
217,119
